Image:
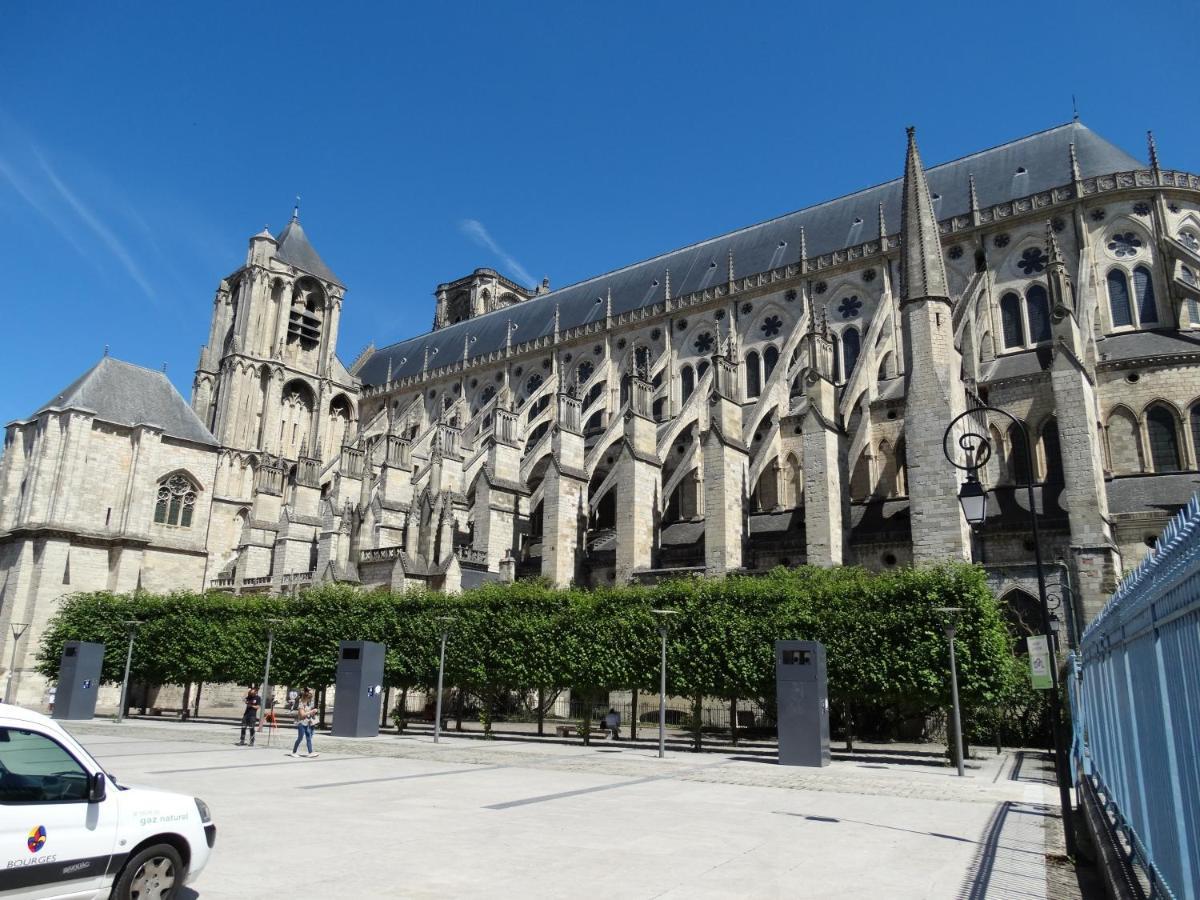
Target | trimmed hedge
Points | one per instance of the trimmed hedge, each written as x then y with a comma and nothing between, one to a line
884,637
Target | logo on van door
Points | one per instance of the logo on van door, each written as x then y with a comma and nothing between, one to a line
37,839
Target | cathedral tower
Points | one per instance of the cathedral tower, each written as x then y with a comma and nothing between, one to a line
268,378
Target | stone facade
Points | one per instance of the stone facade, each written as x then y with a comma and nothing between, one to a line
777,395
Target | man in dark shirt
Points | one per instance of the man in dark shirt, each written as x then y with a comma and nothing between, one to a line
250,715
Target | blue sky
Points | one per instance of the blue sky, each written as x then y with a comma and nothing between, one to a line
141,145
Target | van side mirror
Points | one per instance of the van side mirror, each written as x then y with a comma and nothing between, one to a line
97,787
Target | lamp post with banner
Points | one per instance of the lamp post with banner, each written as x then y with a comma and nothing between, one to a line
968,447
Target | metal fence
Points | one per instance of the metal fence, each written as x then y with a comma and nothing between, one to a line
1136,704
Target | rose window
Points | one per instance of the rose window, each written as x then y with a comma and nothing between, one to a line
1124,244
771,325
850,307
1033,260
704,342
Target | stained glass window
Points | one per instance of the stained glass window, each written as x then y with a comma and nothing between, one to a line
1037,307
1118,299
176,502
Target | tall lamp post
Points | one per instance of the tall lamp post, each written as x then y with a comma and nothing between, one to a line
131,629
271,623
18,629
664,616
950,627
977,447
437,715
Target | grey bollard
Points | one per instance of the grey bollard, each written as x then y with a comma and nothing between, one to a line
78,680
801,691
359,689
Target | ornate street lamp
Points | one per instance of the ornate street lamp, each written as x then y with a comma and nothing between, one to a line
974,501
973,441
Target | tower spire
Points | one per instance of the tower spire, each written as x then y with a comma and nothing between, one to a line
731,265
667,285
1153,149
803,251
922,269
1052,249
1075,176
882,228
296,210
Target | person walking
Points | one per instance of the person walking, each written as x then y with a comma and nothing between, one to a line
306,720
253,703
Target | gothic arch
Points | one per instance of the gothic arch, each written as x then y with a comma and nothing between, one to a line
753,375
1051,463
860,478
793,482
295,424
755,333
1162,437
1124,442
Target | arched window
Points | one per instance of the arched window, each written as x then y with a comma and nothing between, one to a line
701,369
753,375
1143,290
1037,308
1010,319
1118,299
1018,456
1164,440
176,501
687,380
837,357
770,359
1052,453
1196,429
1124,450
851,344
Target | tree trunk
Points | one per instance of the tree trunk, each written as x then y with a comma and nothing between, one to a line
697,709
541,711
633,718
403,704
733,720
187,701
321,708
196,703
387,695
458,709
587,720
849,725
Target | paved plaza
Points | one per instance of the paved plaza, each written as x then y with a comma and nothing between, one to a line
400,816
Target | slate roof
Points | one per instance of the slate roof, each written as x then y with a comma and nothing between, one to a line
1152,493
828,226
295,250
1140,344
125,394
1018,365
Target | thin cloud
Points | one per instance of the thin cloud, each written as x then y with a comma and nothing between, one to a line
475,230
27,193
102,231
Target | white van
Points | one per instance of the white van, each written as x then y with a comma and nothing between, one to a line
69,830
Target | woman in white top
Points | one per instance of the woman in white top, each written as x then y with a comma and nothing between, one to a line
306,720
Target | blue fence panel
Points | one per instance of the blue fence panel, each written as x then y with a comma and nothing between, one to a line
1135,697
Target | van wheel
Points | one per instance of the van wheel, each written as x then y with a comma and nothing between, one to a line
153,874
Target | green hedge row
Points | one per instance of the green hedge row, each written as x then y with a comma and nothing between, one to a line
882,632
